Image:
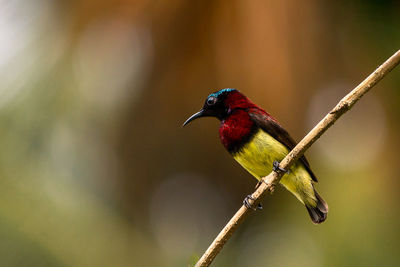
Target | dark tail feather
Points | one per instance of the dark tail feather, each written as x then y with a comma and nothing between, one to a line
318,213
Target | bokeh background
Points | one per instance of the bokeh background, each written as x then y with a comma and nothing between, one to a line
95,169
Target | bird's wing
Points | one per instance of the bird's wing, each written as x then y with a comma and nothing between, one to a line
269,125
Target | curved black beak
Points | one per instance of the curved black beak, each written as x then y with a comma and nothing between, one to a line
199,114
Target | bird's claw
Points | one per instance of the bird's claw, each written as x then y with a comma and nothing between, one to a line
276,168
249,206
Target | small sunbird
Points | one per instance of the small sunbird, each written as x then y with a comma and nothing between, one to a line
258,142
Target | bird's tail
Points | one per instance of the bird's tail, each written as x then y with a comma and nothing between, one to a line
319,212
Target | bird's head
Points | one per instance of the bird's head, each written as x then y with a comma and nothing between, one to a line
221,104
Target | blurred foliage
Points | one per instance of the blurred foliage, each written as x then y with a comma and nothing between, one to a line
95,167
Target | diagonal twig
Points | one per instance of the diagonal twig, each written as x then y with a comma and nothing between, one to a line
273,178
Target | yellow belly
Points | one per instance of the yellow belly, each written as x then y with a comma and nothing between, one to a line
257,157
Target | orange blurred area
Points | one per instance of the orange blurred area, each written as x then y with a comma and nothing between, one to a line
96,170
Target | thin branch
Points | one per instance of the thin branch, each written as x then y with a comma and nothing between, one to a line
270,181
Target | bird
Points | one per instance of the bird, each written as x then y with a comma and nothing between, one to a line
258,142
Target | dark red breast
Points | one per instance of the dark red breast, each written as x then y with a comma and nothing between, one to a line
236,130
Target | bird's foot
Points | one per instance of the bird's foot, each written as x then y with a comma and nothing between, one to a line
276,168
249,206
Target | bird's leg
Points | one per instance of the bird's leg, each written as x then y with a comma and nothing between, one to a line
276,168
247,204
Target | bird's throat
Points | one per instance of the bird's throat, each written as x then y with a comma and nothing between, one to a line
237,130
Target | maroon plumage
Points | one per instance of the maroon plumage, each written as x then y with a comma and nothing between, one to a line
243,120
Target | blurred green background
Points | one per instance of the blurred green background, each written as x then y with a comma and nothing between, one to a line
95,169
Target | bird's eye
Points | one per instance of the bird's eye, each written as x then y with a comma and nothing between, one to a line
211,100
